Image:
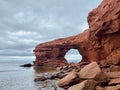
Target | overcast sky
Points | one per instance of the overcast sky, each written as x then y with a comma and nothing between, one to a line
26,23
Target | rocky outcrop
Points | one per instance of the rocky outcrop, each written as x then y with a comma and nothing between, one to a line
101,42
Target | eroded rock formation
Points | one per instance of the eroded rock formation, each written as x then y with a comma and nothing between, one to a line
52,53
101,42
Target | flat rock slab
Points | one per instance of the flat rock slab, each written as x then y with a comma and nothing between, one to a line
99,88
117,87
114,81
113,74
85,85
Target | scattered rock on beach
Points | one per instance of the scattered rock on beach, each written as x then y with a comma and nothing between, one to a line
93,71
26,65
89,76
70,79
41,78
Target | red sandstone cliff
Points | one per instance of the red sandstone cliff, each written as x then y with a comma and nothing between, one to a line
101,42
104,28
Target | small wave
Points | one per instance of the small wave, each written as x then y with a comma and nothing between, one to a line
10,70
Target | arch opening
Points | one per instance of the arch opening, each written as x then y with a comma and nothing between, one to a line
73,56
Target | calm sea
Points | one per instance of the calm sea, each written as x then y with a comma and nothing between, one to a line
13,77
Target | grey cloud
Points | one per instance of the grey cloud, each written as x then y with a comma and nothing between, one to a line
15,53
25,23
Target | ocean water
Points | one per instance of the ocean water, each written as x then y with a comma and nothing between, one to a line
13,77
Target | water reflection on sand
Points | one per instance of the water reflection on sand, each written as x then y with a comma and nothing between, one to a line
44,69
